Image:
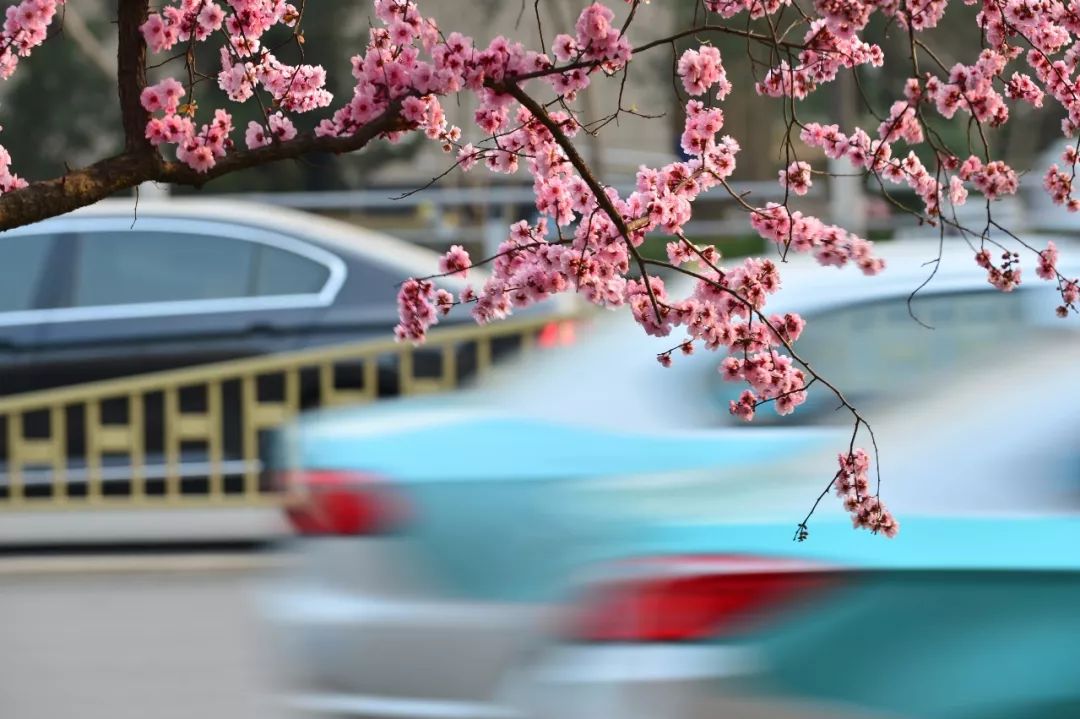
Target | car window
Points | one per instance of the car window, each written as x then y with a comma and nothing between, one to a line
22,265
876,352
280,272
136,267
376,284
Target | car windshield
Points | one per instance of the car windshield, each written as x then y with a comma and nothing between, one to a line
877,352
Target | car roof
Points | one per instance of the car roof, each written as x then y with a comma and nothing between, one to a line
808,287
613,373
359,242
610,376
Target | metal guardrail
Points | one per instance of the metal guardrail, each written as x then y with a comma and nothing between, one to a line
157,423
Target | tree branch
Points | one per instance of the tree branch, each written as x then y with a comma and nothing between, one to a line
78,188
308,142
604,202
131,74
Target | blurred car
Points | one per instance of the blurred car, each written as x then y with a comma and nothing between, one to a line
591,535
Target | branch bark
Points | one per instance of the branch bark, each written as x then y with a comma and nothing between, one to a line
604,202
78,188
181,174
131,74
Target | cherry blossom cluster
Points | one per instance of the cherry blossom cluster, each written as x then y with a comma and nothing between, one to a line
199,148
971,88
755,8
702,69
1059,184
246,66
26,25
825,53
597,38
421,302
724,312
852,485
586,237
280,129
1042,35
993,179
198,19
455,262
876,155
831,245
8,180
797,177
1005,275
772,376
587,244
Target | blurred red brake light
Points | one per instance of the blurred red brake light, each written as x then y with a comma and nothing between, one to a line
334,502
672,599
555,334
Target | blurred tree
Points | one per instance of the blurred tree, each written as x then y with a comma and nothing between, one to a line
60,84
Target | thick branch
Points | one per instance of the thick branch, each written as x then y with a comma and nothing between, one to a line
86,186
180,174
76,189
131,74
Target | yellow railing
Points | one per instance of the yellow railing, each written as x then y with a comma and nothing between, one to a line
126,442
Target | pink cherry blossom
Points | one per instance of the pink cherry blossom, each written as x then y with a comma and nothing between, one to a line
797,177
587,237
455,262
164,96
701,70
852,485
1047,268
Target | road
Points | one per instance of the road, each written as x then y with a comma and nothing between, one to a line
134,637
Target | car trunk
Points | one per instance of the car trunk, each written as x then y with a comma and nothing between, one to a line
512,509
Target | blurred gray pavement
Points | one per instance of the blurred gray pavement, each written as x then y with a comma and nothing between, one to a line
142,525
139,636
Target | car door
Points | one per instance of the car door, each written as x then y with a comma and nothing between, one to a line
30,265
366,308
169,293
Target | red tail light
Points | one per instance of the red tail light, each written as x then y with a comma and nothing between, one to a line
327,502
554,334
672,599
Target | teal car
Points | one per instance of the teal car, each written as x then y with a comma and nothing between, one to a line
592,535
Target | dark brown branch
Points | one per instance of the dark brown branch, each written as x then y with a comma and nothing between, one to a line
131,74
180,174
76,189
86,186
602,200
